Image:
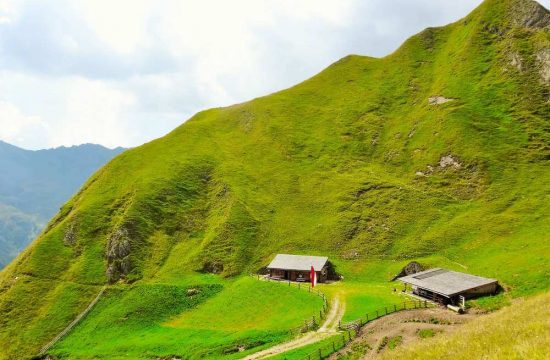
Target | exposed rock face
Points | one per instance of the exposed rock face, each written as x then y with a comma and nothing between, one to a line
438,100
69,238
118,251
543,58
212,267
515,61
192,291
531,14
411,268
449,161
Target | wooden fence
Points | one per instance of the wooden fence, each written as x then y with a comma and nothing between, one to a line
311,323
322,352
351,329
386,310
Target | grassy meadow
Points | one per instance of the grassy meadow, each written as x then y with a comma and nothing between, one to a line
200,321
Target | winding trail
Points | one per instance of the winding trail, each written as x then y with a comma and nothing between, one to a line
327,329
73,323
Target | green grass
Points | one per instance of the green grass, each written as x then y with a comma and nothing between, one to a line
216,319
426,333
326,167
395,342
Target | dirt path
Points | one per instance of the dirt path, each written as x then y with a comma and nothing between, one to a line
400,329
328,328
73,323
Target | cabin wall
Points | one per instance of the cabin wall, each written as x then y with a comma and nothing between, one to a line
425,293
481,290
294,275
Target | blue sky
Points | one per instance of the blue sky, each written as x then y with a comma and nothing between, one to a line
121,73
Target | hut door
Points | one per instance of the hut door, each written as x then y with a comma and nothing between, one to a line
286,275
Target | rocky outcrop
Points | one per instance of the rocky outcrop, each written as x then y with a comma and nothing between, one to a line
69,237
449,161
212,267
530,14
411,268
438,100
516,61
118,255
543,60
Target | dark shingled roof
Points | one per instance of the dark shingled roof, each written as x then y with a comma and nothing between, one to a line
298,262
446,282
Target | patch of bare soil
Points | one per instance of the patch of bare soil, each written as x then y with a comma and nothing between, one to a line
400,329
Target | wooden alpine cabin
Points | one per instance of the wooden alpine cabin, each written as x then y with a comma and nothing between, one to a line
298,267
449,287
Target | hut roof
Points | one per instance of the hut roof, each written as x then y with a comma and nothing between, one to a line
446,282
298,262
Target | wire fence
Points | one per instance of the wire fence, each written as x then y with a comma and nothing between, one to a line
386,310
351,329
312,323
331,346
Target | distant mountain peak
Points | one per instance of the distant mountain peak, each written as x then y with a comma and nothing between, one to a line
6,145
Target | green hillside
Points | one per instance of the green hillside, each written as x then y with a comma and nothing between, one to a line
438,152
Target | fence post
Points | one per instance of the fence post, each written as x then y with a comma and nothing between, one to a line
377,314
394,308
425,304
339,324
386,309
367,317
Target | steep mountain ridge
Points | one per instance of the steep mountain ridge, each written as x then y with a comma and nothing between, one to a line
437,151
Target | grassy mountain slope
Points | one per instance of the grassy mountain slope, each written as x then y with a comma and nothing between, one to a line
355,163
34,184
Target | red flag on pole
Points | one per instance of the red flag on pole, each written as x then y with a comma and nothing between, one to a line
313,277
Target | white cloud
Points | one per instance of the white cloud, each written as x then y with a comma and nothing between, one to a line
124,72
18,128
94,112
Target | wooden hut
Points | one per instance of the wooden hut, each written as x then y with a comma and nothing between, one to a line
298,267
447,287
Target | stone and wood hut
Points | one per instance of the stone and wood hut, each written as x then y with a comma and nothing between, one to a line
447,287
298,267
